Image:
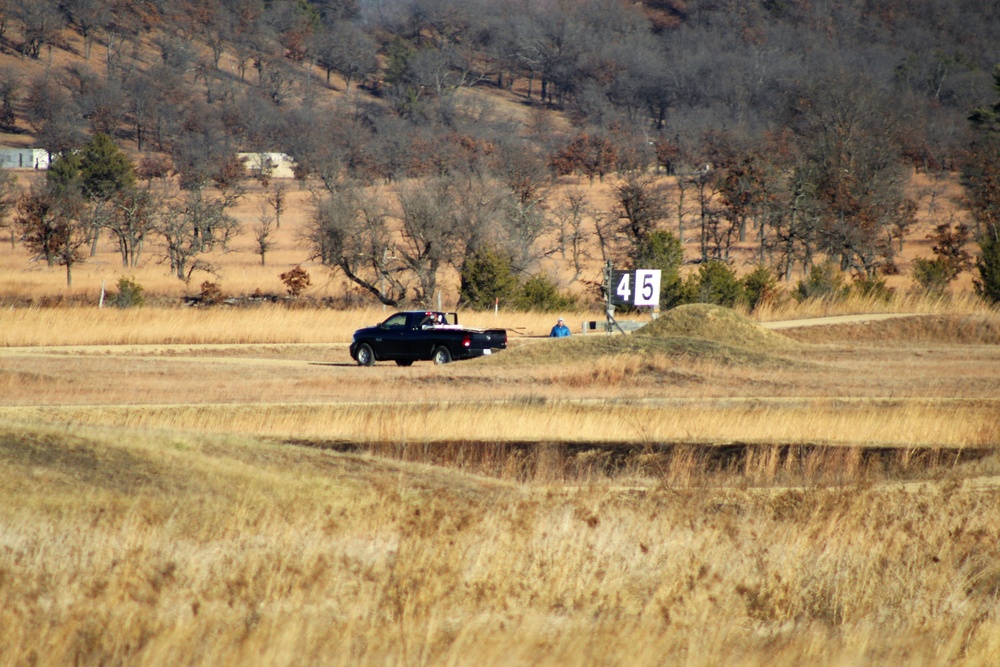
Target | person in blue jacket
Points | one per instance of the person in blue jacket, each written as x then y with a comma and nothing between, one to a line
560,330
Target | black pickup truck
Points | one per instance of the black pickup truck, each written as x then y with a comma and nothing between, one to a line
423,336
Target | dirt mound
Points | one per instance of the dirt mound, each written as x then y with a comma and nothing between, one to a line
716,324
695,332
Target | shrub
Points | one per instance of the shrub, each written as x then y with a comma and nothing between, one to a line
760,287
129,294
873,287
296,280
211,293
825,281
540,292
715,283
933,275
488,275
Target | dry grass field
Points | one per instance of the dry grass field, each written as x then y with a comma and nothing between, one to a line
704,491
223,486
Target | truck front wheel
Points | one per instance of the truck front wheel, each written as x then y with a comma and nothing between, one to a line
441,356
365,355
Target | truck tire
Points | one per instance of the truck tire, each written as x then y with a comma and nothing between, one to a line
441,356
365,355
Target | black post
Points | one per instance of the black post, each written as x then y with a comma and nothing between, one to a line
609,309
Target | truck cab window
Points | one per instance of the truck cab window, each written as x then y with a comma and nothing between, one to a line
395,322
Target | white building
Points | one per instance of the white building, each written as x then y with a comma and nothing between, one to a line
276,165
24,158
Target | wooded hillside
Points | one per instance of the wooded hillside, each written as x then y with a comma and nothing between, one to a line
788,125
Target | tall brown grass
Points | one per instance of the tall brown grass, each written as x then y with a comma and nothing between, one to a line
121,546
223,325
903,302
862,422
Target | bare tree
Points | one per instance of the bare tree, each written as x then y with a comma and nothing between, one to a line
349,51
292,26
141,104
195,224
706,182
572,216
176,52
212,20
525,225
275,79
428,218
123,36
640,205
88,16
275,197
795,228
607,227
130,217
102,106
10,90
246,33
349,232
853,139
53,116
523,172
8,200
41,22
440,71
263,233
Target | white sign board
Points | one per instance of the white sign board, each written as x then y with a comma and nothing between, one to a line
636,288
647,287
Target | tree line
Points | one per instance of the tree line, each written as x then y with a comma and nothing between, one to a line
395,243
95,191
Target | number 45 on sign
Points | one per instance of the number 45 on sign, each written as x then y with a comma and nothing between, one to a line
636,288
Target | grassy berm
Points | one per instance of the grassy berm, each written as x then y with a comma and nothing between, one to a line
696,331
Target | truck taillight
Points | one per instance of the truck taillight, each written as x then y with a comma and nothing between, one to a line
466,340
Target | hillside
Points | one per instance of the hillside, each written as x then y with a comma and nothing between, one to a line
534,152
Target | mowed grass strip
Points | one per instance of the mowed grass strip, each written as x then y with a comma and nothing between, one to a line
861,422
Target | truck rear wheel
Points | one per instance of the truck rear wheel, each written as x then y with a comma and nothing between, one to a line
365,355
441,356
